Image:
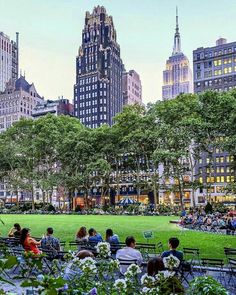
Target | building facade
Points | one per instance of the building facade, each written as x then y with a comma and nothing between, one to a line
132,88
17,101
215,67
9,60
98,89
58,107
177,77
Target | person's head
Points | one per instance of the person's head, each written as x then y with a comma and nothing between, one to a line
130,242
82,232
49,231
109,233
91,232
24,234
84,253
173,243
17,226
154,266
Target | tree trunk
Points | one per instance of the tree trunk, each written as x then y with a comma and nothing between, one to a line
32,192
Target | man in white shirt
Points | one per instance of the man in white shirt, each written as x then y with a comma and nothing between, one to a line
129,253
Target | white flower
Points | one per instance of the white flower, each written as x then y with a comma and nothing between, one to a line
40,278
145,290
120,285
146,279
103,249
87,265
167,273
115,264
134,269
150,291
171,261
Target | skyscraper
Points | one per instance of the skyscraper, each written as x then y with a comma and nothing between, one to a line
132,88
98,89
8,60
215,67
177,77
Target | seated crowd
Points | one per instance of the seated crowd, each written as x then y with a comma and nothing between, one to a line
209,222
127,253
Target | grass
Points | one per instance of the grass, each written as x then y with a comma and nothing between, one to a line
65,226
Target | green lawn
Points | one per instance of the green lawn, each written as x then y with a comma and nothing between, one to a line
65,227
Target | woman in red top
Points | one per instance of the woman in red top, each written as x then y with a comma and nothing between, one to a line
28,243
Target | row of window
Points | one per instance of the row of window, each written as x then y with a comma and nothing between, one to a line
93,118
88,80
217,179
92,110
220,169
208,54
217,159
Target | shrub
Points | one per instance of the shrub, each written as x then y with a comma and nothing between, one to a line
206,286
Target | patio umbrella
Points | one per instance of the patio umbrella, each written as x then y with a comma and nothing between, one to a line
126,201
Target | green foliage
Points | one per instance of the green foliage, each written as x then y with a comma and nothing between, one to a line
206,286
173,133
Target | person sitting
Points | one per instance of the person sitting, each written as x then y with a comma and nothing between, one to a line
173,244
111,238
28,243
129,253
154,266
94,237
50,243
15,231
82,235
72,271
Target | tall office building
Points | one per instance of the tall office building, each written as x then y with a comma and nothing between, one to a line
9,59
215,67
98,89
132,88
177,77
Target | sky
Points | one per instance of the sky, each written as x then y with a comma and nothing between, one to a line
50,35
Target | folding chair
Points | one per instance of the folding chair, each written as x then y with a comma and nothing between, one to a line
232,267
159,247
192,257
215,265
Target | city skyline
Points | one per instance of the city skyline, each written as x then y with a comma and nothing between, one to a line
50,35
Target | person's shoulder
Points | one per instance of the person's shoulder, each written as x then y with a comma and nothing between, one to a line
165,254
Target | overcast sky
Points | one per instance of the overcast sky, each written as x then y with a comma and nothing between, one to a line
50,35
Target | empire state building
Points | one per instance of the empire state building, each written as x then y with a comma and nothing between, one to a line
177,77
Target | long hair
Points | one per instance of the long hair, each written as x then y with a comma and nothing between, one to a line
23,235
154,266
109,233
82,232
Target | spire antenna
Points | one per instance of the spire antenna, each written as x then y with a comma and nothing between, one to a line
177,41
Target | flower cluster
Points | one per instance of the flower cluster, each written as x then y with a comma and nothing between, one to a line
103,249
132,271
150,291
87,265
171,262
120,285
